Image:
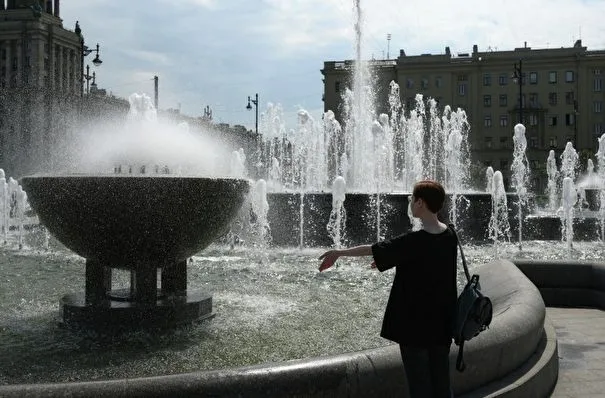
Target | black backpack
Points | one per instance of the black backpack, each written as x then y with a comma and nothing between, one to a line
473,310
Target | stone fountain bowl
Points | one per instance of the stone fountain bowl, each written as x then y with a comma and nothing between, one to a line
133,222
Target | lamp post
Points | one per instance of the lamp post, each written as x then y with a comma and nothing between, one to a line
85,52
518,78
249,107
88,77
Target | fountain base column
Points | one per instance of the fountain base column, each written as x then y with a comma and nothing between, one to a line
141,306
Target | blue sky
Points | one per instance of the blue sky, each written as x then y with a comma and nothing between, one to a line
217,52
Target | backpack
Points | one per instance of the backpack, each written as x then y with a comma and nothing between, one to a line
473,310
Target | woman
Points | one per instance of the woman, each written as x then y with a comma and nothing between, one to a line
419,315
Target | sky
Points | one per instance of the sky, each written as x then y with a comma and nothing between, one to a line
216,53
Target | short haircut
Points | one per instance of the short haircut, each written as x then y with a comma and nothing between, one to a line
431,192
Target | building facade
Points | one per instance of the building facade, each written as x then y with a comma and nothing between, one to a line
40,82
558,93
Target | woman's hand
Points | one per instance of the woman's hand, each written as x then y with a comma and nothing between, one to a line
329,258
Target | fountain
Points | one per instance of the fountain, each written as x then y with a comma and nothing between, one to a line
138,217
142,224
151,213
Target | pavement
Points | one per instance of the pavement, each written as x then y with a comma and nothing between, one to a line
581,338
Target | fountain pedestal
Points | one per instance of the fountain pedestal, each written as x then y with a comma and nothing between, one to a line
142,305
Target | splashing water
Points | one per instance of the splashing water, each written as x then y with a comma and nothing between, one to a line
520,173
499,226
260,209
553,175
238,163
600,155
569,198
454,172
569,162
338,216
4,206
489,179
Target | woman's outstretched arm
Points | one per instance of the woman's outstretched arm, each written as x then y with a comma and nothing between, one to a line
330,257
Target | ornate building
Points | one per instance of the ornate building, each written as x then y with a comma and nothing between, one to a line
559,96
40,82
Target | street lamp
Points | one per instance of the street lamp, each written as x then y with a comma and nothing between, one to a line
85,52
249,107
88,77
518,78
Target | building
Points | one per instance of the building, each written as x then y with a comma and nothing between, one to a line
40,82
560,92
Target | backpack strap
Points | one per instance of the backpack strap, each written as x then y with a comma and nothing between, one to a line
460,365
468,274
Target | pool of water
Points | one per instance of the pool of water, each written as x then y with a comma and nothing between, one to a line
270,306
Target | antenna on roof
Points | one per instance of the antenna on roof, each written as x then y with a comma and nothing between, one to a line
388,44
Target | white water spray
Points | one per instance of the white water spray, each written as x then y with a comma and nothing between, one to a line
338,216
499,227
553,175
520,174
569,198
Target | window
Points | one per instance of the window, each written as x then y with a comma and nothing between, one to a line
337,87
487,79
596,71
598,84
503,80
502,100
533,77
598,106
533,142
461,88
15,63
504,121
569,76
552,141
409,83
462,78
569,97
552,98
598,128
533,119
488,142
424,84
487,121
569,119
552,120
504,142
487,101
438,82
552,77
533,99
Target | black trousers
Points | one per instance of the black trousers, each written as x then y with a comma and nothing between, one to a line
427,371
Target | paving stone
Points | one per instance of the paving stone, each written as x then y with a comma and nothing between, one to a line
581,337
